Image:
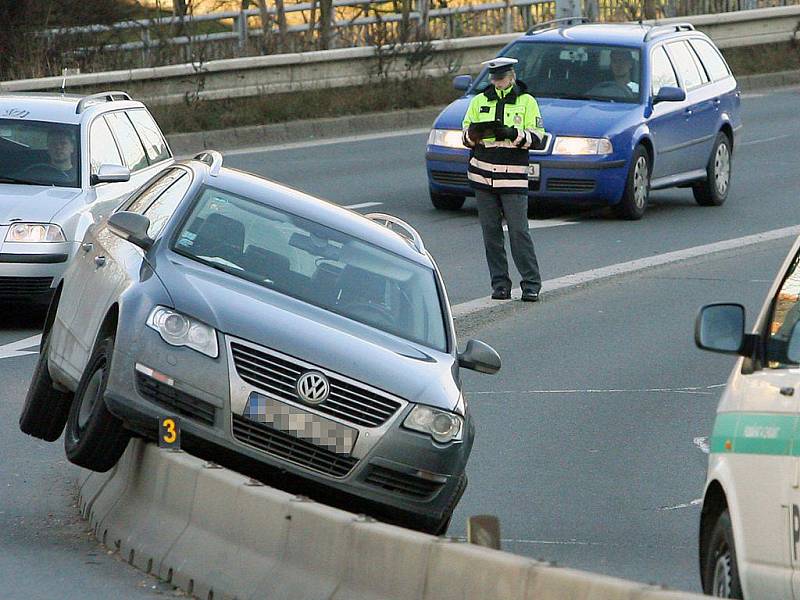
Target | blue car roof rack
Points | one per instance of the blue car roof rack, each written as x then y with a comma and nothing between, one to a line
657,30
567,22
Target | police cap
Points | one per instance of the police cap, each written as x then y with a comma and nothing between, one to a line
498,67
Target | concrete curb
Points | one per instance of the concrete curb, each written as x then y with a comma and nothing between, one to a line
212,533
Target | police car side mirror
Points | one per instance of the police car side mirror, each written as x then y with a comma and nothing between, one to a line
720,328
669,94
480,357
462,82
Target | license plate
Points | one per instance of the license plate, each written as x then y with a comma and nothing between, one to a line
306,426
533,171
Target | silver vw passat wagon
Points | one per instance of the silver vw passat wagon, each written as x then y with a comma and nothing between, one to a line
275,325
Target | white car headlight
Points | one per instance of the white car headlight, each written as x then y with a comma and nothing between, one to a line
441,425
179,330
581,146
449,138
35,233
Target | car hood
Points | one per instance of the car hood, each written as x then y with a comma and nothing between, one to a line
561,116
265,317
33,203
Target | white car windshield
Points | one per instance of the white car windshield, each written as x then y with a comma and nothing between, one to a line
39,153
315,264
576,71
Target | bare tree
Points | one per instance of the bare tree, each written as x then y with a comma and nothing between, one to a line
325,16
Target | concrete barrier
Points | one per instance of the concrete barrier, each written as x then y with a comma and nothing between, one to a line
215,535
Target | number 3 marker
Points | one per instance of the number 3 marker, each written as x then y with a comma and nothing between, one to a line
169,433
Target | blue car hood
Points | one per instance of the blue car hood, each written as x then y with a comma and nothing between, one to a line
269,318
562,116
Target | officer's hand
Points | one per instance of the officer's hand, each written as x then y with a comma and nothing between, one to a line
506,133
475,133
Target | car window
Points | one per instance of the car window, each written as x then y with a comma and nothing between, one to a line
163,207
129,142
686,64
150,134
663,74
142,201
102,147
714,63
785,315
39,153
315,264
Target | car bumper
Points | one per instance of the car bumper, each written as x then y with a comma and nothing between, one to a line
28,272
403,470
596,180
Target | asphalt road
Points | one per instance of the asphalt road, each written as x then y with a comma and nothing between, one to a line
591,478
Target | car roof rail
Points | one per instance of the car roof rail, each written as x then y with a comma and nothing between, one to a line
213,159
110,96
409,234
547,25
657,30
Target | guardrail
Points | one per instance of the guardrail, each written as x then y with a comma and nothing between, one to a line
259,75
216,534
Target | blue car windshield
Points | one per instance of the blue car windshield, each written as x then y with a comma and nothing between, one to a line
576,71
39,153
315,264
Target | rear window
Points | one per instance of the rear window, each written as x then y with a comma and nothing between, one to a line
713,62
39,153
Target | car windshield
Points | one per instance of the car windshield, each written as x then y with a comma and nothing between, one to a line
39,153
314,263
576,71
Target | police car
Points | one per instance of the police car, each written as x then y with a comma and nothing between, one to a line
628,108
750,522
65,162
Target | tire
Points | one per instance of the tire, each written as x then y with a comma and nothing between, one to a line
720,571
94,438
45,411
444,202
713,190
637,187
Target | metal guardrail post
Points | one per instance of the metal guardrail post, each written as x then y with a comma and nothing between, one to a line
145,45
566,9
241,27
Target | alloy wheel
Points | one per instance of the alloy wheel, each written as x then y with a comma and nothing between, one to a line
90,398
723,574
722,168
640,183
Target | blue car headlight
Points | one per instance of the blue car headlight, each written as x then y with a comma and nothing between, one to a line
582,146
449,138
441,425
179,330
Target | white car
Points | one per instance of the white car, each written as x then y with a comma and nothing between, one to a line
65,162
750,523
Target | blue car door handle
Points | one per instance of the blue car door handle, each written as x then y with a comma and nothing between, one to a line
689,112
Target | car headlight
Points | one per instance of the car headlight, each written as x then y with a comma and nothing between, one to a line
179,330
35,233
449,138
441,425
575,146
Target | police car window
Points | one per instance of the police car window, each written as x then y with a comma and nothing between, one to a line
128,140
714,63
785,319
150,134
163,207
145,198
663,74
686,64
102,147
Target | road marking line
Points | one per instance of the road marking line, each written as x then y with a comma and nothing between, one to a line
700,390
545,223
702,444
17,348
696,502
769,139
567,282
362,205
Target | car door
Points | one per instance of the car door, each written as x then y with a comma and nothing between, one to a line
666,120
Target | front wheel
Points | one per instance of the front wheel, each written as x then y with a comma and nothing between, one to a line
637,187
713,190
95,439
445,202
720,571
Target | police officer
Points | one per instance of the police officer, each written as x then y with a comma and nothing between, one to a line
501,124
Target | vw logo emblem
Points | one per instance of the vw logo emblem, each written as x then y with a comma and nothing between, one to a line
313,387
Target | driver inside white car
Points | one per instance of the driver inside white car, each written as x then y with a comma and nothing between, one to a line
61,150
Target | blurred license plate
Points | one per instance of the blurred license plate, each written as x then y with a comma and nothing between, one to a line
301,424
533,171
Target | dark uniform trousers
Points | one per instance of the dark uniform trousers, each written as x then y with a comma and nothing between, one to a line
492,206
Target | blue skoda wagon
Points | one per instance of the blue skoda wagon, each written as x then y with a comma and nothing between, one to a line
628,108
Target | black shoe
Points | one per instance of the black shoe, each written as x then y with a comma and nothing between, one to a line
501,294
530,296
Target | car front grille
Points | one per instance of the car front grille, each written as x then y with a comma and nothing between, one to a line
450,178
290,448
555,184
169,397
13,288
277,374
402,483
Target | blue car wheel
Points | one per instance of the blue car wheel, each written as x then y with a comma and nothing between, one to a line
445,202
637,187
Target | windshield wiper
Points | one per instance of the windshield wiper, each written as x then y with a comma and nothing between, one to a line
581,97
6,179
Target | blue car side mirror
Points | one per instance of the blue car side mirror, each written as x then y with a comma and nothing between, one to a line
462,82
669,94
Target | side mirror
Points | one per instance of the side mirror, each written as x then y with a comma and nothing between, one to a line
111,174
462,82
669,94
132,227
720,328
480,357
